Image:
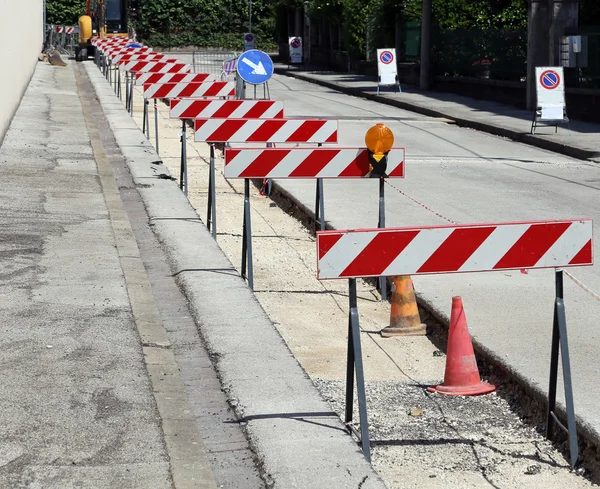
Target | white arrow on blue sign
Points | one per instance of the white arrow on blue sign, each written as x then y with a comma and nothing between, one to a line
255,67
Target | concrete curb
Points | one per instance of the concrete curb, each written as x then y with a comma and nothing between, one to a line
299,441
572,151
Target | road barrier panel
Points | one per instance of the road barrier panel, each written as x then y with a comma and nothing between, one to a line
349,254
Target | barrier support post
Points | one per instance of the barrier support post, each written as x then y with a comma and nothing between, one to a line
559,340
183,181
381,224
320,206
144,115
211,210
320,203
146,104
355,363
119,91
131,84
156,125
247,238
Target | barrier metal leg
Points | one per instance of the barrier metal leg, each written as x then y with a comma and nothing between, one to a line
320,206
146,104
381,224
144,115
119,91
211,210
213,197
131,93
559,339
183,181
156,125
247,238
355,364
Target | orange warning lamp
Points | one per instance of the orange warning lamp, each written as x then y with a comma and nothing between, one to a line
379,140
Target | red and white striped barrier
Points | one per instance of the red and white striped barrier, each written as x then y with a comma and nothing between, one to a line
143,78
266,130
239,109
189,90
59,29
128,57
69,30
155,67
113,51
447,249
306,163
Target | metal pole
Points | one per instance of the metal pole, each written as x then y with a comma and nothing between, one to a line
144,116
320,205
250,16
213,198
156,125
559,337
193,61
360,379
247,238
183,183
146,103
349,371
381,224
131,93
126,89
210,215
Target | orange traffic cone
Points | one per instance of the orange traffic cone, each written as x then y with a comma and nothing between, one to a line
404,315
462,375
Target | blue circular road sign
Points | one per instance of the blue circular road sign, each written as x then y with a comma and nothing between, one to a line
296,42
255,67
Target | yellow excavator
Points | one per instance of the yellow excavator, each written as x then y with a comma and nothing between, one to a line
102,18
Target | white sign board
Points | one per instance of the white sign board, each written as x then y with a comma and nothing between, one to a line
550,89
386,66
248,41
295,44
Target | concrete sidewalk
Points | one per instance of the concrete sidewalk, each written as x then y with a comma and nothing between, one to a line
580,140
106,380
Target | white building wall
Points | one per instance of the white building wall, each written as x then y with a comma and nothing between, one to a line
21,37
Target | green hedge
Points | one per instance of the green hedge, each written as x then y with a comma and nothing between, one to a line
206,23
64,12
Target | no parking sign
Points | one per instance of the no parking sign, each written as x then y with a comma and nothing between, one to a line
550,89
295,44
387,68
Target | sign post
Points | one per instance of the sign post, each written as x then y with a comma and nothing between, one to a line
551,108
295,44
387,69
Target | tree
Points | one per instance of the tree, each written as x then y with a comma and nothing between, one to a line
64,12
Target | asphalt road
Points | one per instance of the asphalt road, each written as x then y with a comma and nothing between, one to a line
462,175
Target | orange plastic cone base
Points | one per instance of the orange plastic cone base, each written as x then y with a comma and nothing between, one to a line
462,375
404,312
